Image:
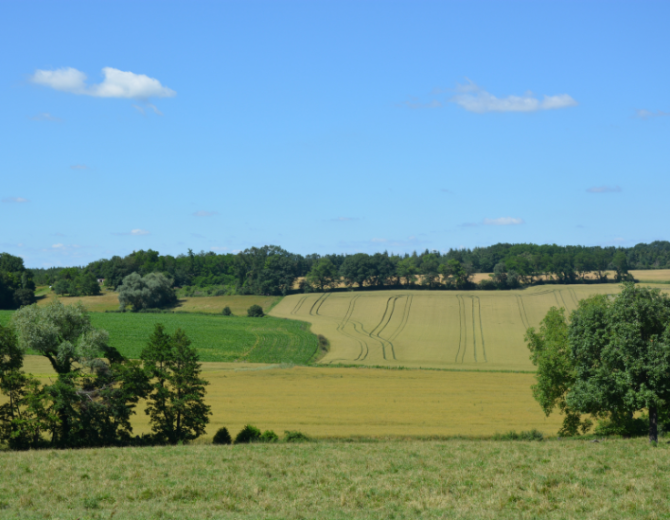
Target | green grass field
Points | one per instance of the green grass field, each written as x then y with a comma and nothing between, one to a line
474,330
617,479
217,338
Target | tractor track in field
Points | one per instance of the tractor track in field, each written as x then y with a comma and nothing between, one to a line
522,312
383,323
481,328
474,336
364,349
298,305
573,295
560,293
318,302
464,326
405,317
460,329
318,308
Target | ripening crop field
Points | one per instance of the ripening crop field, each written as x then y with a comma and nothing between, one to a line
473,330
341,402
217,338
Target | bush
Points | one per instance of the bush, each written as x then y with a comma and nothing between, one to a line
532,435
255,311
248,434
269,436
295,436
222,437
634,427
226,311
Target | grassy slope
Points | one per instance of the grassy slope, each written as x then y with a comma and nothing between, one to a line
442,329
217,338
401,480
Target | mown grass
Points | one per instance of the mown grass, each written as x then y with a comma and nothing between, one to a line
331,480
217,338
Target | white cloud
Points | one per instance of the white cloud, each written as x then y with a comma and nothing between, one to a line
473,98
117,84
503,221
79,167
14,200
647,114
205,213
604,189
58,246
46,116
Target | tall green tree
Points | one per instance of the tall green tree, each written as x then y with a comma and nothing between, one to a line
323,274
612,359
149,292
96,390
556,373
176,406
621,349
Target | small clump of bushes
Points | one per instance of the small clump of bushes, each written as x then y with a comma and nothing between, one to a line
226,311
250,434
255,311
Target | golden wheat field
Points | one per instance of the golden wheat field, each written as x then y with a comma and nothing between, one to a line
473,330
346,402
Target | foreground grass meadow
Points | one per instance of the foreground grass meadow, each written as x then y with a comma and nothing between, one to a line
403,479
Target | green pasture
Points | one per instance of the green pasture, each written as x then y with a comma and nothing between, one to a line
217,338
404,479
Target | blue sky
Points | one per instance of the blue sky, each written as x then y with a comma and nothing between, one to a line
330,126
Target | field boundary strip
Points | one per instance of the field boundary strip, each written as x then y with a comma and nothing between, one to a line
463,326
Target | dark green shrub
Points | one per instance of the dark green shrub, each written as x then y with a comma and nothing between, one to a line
269,436
255,311
531,435
248,434
629,427
226,311
222,437
295,436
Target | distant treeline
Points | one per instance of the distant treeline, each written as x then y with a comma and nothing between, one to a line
271,270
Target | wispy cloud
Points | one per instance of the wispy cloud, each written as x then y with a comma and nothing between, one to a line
116,84
79,167
15,200
473,98
46,116
503,221
205,213
133,232
142,110
218,248
647,114
604,189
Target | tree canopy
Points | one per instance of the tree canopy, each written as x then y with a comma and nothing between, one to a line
612,358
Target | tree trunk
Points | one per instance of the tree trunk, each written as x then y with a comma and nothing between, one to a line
653,424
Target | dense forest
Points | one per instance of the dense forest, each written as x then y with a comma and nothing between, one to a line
273,270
